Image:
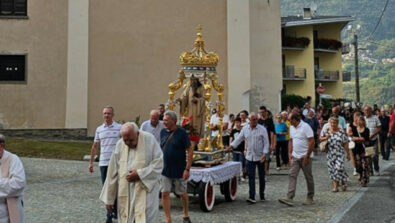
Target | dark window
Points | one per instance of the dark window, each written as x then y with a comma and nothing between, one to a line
13,7
12,67
315,38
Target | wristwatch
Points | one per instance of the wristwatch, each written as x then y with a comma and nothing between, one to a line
187,170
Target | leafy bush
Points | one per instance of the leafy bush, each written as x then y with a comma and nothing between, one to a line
292,100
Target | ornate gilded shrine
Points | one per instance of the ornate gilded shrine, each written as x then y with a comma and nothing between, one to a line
196,102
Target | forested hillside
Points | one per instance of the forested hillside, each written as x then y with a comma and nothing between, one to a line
376,41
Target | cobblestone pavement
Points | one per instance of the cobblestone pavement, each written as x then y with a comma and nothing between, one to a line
64,191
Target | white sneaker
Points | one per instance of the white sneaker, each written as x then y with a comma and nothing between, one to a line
355,172
278,168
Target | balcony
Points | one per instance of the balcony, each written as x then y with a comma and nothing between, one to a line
292,73
346,76
326,75
295,43
327,45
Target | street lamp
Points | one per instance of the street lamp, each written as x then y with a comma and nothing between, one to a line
355,43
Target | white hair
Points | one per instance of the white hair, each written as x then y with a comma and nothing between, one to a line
129,125
154,111
172,115
2,138
252,114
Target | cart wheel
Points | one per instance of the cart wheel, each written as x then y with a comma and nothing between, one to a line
206,196
230,189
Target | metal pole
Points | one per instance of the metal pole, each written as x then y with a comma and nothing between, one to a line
356,68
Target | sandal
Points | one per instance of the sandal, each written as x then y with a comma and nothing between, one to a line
344,187
187,220
334,190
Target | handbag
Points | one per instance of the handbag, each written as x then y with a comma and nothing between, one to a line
369,151
324,146
351,145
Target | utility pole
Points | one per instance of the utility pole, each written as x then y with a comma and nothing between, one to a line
356,67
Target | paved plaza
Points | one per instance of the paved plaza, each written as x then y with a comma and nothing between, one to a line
64,191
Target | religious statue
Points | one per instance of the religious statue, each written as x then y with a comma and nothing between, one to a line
193,104
199,69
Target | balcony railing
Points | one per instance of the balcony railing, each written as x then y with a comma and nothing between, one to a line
346,76
327,45
294,43
292,73
326,75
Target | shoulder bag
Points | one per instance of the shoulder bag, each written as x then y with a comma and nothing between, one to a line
369,150
324,146
168,139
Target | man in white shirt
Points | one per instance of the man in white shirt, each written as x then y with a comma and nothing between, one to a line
153,125
300,146
12,186
214,125
306,109
374,125
107,136
257,148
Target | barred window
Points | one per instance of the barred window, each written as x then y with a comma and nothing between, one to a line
13,7
12,68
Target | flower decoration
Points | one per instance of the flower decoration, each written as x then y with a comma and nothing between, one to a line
186,124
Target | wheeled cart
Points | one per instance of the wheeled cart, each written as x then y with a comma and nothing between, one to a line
202,180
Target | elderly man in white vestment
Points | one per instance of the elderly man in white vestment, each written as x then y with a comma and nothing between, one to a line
12,186
133,175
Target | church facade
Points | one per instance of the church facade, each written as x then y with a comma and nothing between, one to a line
62,61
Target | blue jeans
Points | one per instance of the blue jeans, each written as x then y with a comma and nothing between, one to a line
239,157
110,214
251,169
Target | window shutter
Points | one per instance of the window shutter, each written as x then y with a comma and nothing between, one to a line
7,7
12,67
20,7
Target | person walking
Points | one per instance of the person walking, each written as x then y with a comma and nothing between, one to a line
177,162
300,147
238,152
314,124
383,135
360,136
133,176
374,126
268,123
106,136
350,128
12,185
257,148
337,148
153,125
281,130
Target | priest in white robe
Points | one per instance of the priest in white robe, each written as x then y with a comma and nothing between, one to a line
133,175
12,186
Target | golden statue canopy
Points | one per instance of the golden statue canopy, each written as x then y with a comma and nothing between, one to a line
198,61
200,67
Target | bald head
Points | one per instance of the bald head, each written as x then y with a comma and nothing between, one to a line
129,132
368,111
154,117
253,119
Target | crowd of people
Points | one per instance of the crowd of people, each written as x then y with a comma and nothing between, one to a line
162,159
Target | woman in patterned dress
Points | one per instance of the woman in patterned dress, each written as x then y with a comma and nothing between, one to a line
337,150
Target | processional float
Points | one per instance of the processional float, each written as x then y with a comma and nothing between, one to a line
196,102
